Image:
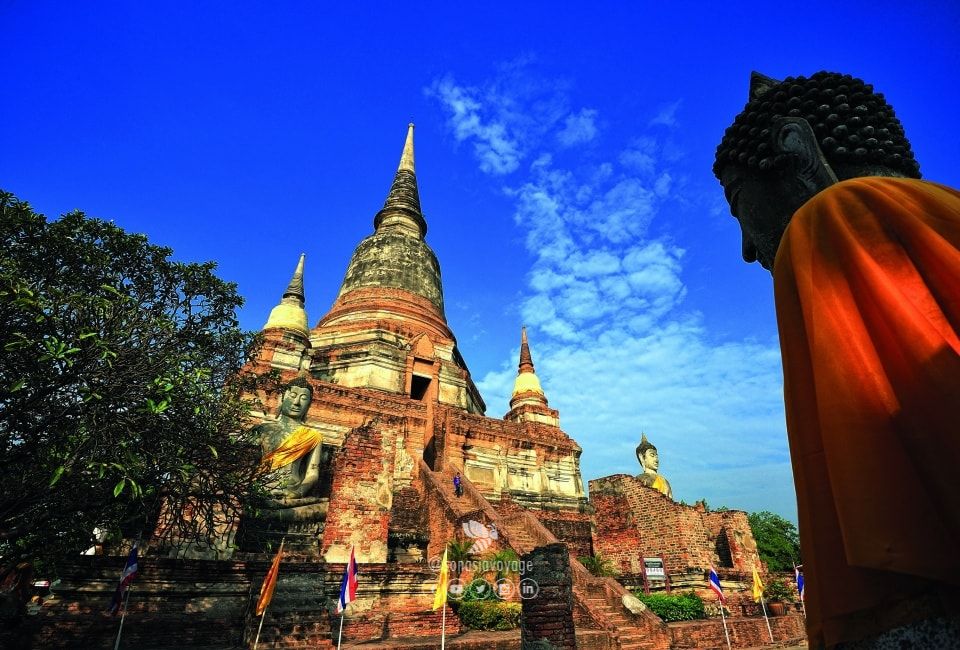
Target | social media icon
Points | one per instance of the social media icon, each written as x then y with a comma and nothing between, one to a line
529,588
456,589
504,588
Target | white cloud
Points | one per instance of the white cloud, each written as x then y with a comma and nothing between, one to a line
616,349
578,128
495,148
667,115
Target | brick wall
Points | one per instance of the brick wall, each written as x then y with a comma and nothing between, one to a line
185,603
633,521
361,496
548,617
734,526
744,633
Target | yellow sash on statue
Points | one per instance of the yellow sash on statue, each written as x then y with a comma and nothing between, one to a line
660,484
297,445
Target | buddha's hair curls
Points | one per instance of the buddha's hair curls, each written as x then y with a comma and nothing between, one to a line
853,125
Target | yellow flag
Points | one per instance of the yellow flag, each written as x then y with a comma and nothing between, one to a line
757,586
266,589
440,598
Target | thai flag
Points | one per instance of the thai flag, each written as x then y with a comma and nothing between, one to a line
348,586
799,578
126,577
715,585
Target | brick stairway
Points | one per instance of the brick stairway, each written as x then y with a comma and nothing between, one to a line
600,599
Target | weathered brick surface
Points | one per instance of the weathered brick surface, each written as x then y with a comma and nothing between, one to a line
634,521
361,496
209,604
744,633
548,617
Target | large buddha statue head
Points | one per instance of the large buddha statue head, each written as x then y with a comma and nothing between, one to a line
796,137
296,399
647,456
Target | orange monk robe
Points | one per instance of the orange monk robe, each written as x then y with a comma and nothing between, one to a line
295,446
867,286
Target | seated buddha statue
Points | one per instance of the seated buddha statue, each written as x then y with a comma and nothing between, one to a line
291,455
650,462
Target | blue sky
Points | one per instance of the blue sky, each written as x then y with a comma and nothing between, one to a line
563,154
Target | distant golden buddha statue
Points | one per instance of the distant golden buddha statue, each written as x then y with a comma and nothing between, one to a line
650,461
291,451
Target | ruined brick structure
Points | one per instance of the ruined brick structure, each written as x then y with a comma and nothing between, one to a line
633,521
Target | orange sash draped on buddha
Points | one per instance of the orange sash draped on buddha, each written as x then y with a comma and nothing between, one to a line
297,445
867,287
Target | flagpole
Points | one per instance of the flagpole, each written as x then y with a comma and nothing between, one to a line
443,628
723,618
340,636
126,599
126,596
766,618
262,616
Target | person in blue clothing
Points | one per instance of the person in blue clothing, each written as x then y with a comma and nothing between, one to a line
457,485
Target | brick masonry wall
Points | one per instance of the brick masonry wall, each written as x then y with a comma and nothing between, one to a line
361,496
615,536
549,616
572,528
186,603
744,633
633,521
736,527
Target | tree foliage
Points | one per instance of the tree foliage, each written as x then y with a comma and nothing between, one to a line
118,387
598,565
777,540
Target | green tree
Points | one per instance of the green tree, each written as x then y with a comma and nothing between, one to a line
505,563
118,388
598,565
777,540
459,553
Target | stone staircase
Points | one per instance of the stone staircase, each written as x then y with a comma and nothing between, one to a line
599,600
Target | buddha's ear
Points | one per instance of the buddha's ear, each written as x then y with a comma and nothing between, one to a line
794,139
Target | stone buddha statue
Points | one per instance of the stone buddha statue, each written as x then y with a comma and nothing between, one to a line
291,453
650,462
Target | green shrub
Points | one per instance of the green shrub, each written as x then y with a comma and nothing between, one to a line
479,589
489,615
779,590
674,607
598,565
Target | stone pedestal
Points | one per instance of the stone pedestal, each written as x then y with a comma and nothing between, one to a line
546,620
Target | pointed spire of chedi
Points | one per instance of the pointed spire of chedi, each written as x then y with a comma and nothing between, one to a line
290,313
401,211
526,387
528,403
393,274
526,361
